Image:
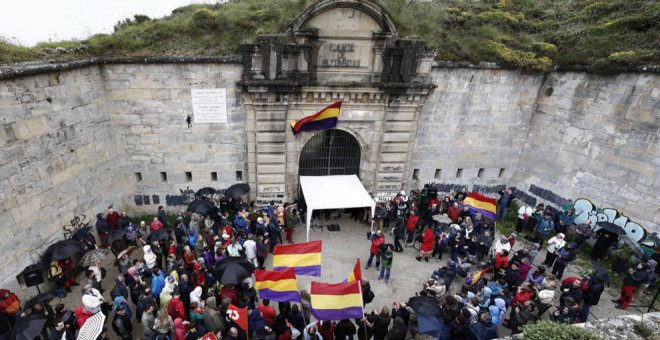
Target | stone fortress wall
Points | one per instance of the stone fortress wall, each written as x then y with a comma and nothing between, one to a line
75,141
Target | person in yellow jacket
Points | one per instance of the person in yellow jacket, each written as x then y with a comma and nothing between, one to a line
56,274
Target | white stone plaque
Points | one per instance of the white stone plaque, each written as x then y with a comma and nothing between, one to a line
209,105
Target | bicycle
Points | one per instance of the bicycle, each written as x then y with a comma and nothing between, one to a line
76,224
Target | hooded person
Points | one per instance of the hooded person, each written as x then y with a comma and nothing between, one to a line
398,330
497,317
213,319
484,297
149,257
198,275
121,301
92,299
165,296
196,296
180,329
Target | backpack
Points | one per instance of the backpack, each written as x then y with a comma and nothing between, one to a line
10,304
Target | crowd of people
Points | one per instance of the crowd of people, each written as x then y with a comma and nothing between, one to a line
171,291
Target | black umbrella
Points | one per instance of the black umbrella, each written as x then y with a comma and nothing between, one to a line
38,299
61,250
611,227
200,206
237,190
80,234
115,235
232,272
423,305
158,235
29,327
205,192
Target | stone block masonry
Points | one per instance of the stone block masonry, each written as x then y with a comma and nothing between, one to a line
59,158
76,139
149,109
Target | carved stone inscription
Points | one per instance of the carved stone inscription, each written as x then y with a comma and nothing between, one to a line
339,55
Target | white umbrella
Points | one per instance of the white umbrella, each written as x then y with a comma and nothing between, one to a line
93,327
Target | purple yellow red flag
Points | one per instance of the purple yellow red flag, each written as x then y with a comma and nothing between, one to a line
481,204
336,301
324,119
277,285
304,258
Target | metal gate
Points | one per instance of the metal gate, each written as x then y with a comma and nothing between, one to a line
330,152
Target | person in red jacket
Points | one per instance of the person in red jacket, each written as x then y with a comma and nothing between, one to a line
524,294
411,225
268,312
67,273
427,245
175,307
454,212
376,240
112,218
81,315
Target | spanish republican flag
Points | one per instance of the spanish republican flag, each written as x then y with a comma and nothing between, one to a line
278,285
336,301
481,204
324,119
304,258
356,274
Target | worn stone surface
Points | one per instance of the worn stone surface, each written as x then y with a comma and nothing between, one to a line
59,159
596,137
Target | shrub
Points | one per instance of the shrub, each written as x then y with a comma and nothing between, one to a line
205,18
548,330
520,59
498,18
624,57
545,49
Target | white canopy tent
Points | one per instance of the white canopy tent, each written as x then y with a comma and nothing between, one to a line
334,192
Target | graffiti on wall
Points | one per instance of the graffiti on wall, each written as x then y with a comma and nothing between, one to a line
548,195
184,198
587,211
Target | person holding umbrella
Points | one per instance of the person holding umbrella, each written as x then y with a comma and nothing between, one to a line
605,237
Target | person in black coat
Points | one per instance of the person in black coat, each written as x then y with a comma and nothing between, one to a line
345,329
399,233
604,239
459,327
122,325
595,286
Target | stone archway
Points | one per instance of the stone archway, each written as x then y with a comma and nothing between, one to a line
330,152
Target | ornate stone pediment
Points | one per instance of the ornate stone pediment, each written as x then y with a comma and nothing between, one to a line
338,42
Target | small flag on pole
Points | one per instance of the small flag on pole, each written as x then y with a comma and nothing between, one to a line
324,119
238,316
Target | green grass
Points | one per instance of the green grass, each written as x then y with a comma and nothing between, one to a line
605,35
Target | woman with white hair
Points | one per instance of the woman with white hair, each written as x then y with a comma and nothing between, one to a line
196,296
92,299
149,257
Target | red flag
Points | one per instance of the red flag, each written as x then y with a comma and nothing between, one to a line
238,316
209,336
356,274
